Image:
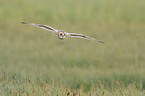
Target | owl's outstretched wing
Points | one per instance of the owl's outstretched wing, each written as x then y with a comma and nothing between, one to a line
46,27
82,36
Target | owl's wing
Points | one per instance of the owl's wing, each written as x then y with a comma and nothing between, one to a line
46,27
82,36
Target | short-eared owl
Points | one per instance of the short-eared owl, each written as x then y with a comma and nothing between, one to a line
62,34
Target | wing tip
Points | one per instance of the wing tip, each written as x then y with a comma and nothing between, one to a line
23,22
100,42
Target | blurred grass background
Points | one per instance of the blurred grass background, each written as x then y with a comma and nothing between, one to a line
27,51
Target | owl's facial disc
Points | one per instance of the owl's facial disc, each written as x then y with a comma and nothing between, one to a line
61,35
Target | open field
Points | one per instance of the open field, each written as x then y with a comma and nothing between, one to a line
35,62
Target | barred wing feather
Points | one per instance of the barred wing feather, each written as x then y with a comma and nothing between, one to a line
46,27
82,36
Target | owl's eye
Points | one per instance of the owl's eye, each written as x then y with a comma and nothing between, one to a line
60,34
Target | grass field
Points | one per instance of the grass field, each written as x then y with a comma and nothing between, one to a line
34,62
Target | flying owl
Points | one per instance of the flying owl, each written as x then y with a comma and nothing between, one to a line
61,34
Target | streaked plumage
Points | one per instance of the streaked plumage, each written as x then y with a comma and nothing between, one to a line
62,34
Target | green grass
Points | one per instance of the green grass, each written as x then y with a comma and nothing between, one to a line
73,66
12,86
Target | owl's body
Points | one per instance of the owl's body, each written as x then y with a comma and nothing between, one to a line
62,34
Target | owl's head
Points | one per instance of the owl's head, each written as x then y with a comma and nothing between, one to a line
61,34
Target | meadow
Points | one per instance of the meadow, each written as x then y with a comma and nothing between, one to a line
33,62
